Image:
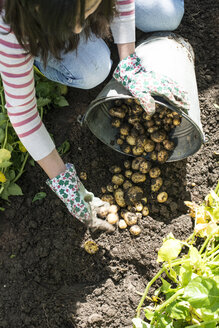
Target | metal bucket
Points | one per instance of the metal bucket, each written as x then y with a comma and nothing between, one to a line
168,54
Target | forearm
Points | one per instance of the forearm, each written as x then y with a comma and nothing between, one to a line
52,164
126,49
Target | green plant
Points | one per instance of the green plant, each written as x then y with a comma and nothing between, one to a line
189,296
13,155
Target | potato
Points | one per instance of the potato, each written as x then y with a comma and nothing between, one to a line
136,163
115,169
124,129
154,156
152,129
158,122
135,230
119,197
83,176
138,206
149,124
138,177
117,112
156,184
127,164
155,172
116,123
110,187
146,117
176,121
113,209
162,197
103,211
127,184
126,148
145,211
130,218
162,156
115,186
158,136
112,218
131,208
144,201
168,144
103,190
144,166
118,179
167,120
137,150
137,110
122,224
128,174
108,198
133,119
149,146
139,127
133,195
134,133
129,101
122,213
141,141
131,140
119,141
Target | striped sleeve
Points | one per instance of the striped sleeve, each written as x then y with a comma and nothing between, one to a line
16,68
123,25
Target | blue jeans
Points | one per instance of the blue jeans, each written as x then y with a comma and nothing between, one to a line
92,64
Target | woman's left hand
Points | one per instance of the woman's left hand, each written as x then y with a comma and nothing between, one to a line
144,84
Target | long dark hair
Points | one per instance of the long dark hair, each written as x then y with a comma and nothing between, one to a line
46,26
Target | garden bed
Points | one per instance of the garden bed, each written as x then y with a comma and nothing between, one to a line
47,280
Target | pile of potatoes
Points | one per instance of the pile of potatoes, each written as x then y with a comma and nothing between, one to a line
140,134
127,191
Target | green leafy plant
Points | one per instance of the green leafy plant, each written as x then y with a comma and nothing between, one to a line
13,155
189,296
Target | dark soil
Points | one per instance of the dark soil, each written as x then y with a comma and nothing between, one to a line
47,280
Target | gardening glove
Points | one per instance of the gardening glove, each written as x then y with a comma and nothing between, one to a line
143,84
81,204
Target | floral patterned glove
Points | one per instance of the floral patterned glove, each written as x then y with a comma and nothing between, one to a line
80,203
144,85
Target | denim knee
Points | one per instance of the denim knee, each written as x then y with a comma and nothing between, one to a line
159,15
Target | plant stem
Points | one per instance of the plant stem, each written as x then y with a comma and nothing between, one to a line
21,169
205,243
170,300
146,291
203,324
6,135
213,250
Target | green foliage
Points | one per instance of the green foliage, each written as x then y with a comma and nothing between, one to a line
13,155
190,297
38,196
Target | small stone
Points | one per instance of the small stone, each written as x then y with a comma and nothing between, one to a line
193,184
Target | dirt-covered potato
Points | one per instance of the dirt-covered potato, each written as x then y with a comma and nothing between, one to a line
110,187
149,123
124,129
115,169
112,218
162,156
128,174
127,164
119,197
137,110
138,177
130,218
116,123
168,144
135,230
137,150
136,163
122,224
122,212
144,166
145,211
103,190
158,136
152,129
153,156
177,121
139,127
138,206
127,184
113,209
108,198
154,172
146,117
156,184
162,197
126,148
131,140
133,195
118,179
119,141
117,112
149,146
144,201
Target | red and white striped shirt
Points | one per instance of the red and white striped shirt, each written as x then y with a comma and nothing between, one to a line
16,68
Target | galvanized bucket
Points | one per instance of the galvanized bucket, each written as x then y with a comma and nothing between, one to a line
168,54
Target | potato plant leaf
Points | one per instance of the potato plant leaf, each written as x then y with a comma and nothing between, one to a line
169,250
38,196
